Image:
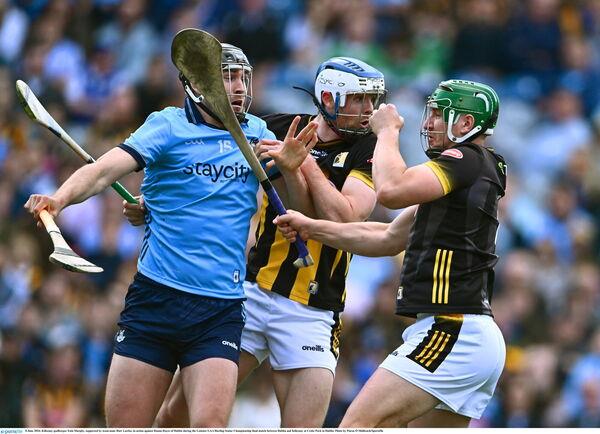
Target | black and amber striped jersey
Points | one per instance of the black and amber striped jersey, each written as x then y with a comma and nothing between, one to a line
270,260
449,262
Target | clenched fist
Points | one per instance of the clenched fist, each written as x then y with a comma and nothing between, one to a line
386,116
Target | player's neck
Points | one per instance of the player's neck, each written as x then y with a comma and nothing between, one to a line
208,119
324,131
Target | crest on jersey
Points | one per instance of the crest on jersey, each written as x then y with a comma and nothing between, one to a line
340,159
313,287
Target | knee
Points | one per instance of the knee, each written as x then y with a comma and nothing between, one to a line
212,421
351,423
304,421
168,418
357,420
353,419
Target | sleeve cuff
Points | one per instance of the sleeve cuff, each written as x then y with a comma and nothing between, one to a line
362,177
441,176
135,154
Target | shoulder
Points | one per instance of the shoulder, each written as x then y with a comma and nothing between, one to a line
463,149
166,116
363,145
280,122
254,121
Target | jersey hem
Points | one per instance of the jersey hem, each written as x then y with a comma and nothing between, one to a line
269,287
198,291
414,311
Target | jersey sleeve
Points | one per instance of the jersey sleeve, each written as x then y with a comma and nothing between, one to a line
362,160
457,167
267,133
149,140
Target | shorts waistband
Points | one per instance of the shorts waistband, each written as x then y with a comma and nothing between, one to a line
145,280
420,316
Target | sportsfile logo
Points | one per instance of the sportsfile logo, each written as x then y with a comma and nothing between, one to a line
219,173
318,348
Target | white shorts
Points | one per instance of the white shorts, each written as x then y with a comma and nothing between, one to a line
291,334
456,358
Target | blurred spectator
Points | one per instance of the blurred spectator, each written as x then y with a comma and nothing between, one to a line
479,43
54,398
532,40
13,30
255,28
580,393
131,38
12,378
553,142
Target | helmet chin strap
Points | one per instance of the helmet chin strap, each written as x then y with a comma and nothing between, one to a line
454,138
328,118
199,100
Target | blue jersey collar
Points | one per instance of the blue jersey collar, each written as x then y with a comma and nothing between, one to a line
192,112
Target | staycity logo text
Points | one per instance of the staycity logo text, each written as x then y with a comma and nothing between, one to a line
219,173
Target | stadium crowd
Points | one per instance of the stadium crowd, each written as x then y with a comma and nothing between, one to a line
101,66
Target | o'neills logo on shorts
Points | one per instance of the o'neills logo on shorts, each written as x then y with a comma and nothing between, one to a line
313,348
230,344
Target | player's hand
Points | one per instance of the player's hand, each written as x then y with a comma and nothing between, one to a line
38,202
291,153
386,116
135,212
294,224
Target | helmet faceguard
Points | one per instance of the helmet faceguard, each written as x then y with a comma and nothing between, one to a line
345,78
454,98
234,65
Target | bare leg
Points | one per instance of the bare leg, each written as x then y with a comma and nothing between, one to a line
440,419
174,412
387,400
209,389
134,392
303,396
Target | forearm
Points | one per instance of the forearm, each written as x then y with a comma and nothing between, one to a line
388,164
388,169
361,238
328,202
87,181
297,193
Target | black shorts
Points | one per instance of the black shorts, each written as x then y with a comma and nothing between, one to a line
166,327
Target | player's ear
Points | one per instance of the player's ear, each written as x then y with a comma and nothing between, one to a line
327,99
467,123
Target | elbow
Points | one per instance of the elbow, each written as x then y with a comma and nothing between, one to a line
391,197
391,250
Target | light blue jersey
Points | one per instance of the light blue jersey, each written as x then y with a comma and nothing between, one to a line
200,194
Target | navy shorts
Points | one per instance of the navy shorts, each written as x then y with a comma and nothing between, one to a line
166,327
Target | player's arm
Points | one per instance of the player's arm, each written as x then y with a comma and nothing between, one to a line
396,185
354,202
361,238
289,155
87,181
